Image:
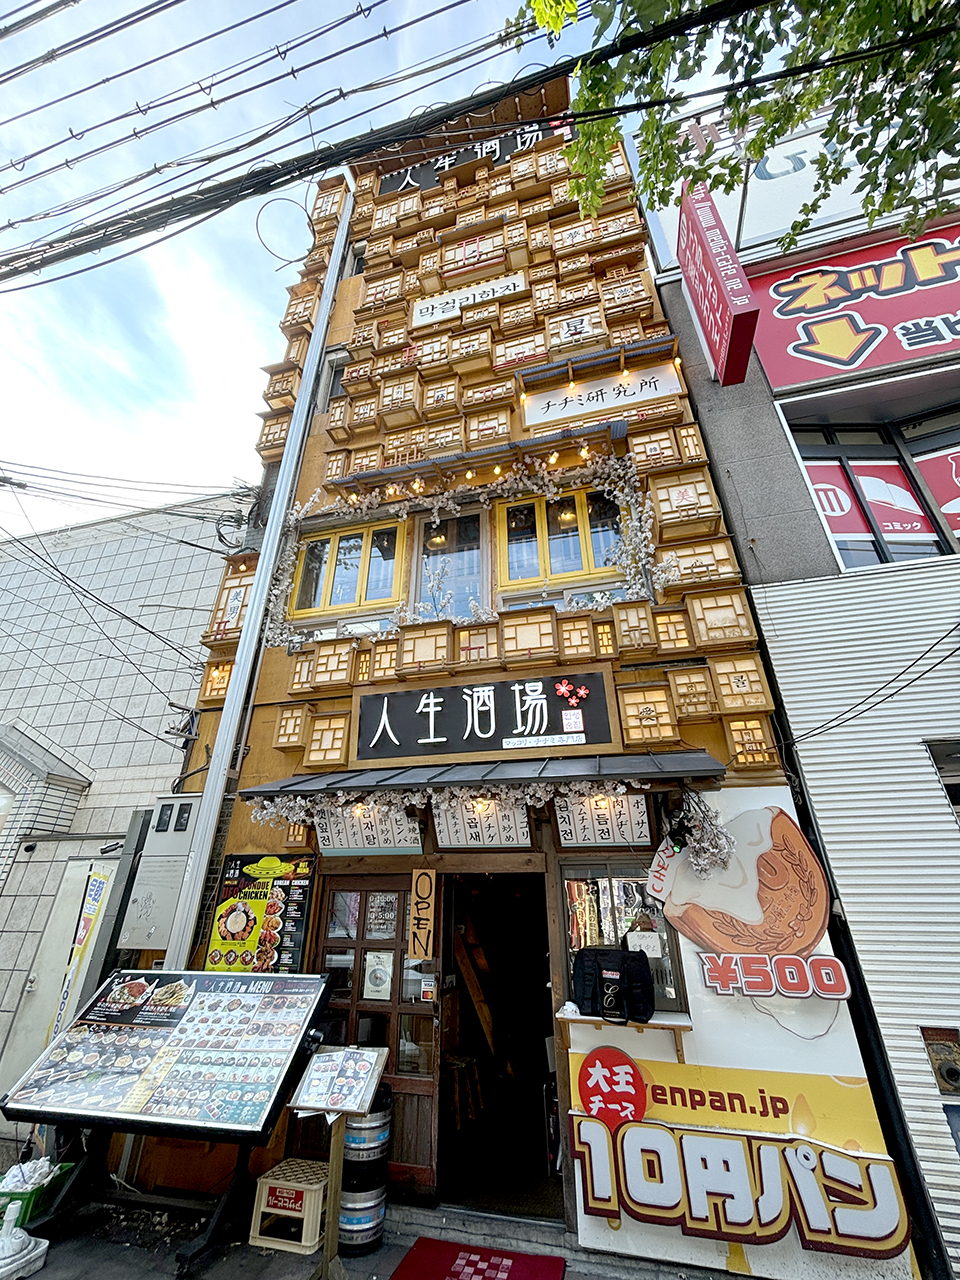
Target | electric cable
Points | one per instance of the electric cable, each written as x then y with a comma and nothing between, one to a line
74,590
225,194
89,38
152,62
32,19
197,86
212,104
199,158
250,185
99,600
813,733
27,469
85,696
866,698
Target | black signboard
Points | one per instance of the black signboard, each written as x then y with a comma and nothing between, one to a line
493,150
567,711
175,1051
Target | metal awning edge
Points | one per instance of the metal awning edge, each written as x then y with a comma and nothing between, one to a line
660,766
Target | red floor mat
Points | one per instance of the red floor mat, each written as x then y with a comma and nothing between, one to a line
439,1260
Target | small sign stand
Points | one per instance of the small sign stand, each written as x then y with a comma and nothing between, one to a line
338,1082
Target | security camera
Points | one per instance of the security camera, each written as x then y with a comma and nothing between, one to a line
112,847
950,1074
30,848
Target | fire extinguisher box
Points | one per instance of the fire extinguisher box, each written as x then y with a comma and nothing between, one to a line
288,1211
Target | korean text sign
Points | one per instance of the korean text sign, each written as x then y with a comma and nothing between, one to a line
717,285
894,302
555,710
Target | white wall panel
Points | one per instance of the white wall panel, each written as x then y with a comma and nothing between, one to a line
890,833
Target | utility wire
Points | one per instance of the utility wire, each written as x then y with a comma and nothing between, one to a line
214,104
33,18
152,62
216,198
60,574
85,696
89,38
28,469
204,86
843,718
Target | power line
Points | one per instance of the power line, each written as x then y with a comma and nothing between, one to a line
93,595
843,718
224,195
26,468
152,62
89,38
88,697
33,18
213,104
197,86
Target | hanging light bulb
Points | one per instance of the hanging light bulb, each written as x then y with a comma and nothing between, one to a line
554,457
497,469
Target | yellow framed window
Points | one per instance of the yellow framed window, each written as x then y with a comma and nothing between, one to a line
348,569
566,538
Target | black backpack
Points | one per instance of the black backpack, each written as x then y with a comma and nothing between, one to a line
612,984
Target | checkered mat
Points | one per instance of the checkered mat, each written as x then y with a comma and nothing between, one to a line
438,1260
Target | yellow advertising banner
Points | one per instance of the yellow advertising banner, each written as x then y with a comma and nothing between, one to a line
736,1155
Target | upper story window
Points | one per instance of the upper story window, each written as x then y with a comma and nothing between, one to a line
348,569
450,566
570,536
888,491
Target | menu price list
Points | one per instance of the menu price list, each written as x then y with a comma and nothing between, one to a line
261,917
177,1049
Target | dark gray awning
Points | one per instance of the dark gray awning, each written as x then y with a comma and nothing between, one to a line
666,766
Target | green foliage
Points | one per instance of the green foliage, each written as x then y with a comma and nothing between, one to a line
895,114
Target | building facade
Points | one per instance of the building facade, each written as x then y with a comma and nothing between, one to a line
835,461
509,707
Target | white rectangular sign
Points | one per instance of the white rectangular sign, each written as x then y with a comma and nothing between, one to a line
602,819
374,828
442,306
610,397
487,823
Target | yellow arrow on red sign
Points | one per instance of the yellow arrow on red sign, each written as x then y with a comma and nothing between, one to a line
842,340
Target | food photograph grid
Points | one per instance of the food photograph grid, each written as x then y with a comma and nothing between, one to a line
183,1050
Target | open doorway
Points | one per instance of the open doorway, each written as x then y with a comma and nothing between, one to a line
498,1116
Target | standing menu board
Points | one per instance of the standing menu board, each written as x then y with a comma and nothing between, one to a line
179,1050
262,914
340,1080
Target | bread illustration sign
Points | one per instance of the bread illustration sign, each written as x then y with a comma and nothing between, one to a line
772,898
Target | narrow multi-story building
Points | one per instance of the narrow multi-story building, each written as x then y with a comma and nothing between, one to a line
507,707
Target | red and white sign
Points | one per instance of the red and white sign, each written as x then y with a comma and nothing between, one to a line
886,490
288,1199
760,975
717,285
942,473
867,309
611,1087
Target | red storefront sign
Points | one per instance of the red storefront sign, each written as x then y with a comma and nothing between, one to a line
941,471
893,302
717,285
886,489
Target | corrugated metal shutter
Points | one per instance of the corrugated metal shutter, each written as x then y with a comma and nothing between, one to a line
890,832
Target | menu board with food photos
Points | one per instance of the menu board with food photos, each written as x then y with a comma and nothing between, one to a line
177,1050
261,914
340,1080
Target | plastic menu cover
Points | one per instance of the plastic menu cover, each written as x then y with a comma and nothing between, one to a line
340,1080
174,1049
262,912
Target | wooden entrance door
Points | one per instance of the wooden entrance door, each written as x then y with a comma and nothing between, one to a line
375,1000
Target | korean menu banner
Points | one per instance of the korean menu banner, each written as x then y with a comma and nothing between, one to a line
893,302
262,914
176,1049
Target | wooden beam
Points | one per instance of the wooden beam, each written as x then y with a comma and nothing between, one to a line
472,983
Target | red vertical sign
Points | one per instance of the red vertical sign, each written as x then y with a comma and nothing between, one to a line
717,285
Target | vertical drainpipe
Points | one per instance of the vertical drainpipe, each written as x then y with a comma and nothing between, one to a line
241,688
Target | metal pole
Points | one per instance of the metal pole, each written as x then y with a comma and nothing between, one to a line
239,690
